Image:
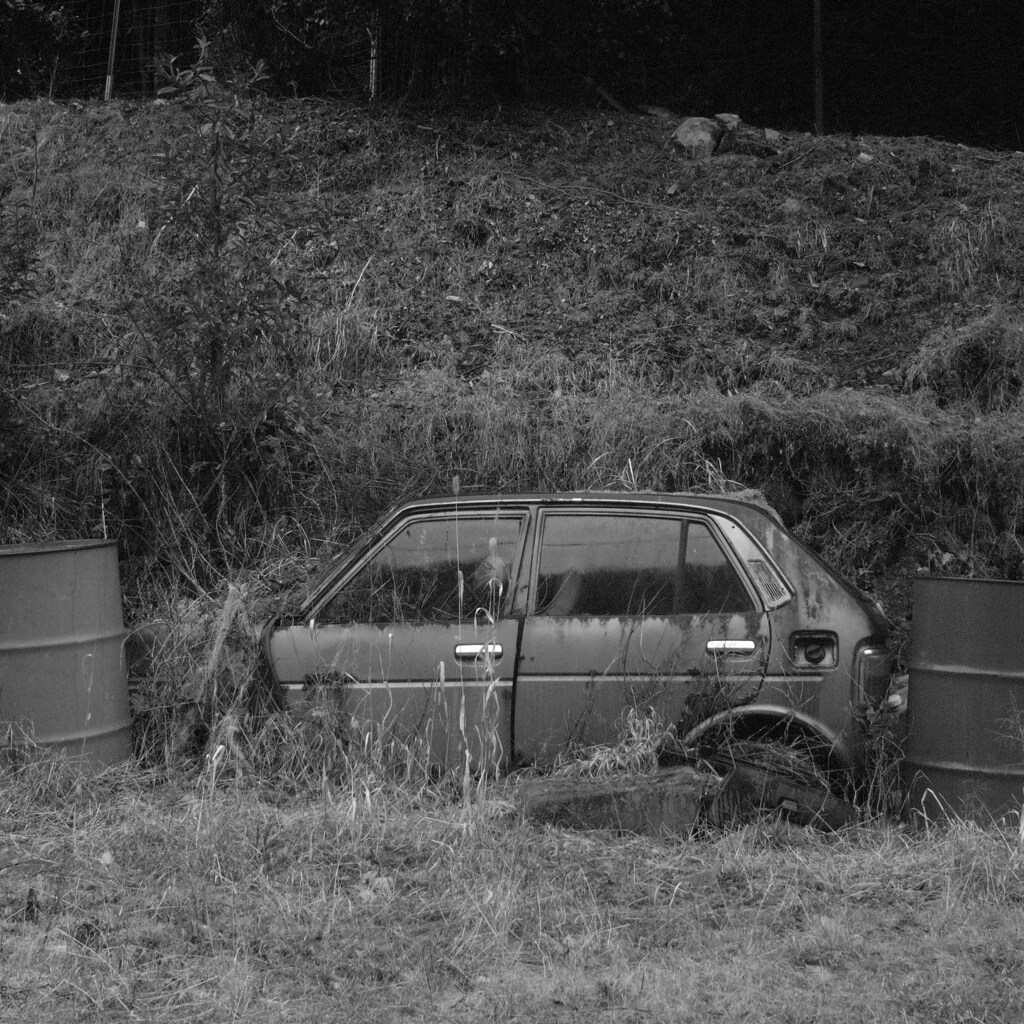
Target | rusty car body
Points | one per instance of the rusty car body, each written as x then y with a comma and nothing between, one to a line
503,631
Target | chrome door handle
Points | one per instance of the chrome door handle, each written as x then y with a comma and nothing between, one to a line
471,652
732,646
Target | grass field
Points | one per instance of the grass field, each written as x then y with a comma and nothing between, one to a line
125,898
233,330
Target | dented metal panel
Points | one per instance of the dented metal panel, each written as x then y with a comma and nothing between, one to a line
965,744
823,602
578,677
440,689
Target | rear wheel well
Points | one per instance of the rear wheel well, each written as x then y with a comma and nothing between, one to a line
773,727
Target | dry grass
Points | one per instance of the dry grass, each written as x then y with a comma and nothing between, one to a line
215,899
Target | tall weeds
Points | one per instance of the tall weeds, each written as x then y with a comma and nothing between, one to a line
232,330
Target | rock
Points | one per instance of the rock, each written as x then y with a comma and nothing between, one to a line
698,137
670,802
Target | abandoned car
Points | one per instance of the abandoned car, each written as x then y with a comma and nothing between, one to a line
503,631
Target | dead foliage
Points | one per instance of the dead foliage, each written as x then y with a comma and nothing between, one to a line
234,330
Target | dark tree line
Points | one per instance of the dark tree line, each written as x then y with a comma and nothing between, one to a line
940,67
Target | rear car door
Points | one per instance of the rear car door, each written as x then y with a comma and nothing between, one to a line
631,609
415,640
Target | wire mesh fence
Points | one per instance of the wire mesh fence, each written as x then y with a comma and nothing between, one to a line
83,48
102,48
391,49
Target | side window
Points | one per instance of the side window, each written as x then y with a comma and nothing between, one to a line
707,581
625,565
433,570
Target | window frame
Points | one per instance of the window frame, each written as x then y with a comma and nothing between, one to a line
757,605
391,530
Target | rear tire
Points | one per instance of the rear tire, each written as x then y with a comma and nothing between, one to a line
767,777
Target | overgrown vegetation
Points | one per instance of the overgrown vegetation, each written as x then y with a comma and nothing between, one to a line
232,331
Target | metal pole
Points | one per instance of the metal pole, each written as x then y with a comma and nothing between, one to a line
374,33
112,52
819,73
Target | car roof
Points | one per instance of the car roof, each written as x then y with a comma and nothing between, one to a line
748,499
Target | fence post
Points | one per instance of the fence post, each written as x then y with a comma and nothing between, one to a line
109,88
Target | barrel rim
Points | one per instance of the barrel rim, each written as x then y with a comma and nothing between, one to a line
967,579
47,547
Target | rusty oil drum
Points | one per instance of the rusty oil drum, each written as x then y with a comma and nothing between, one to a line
965,740
63,682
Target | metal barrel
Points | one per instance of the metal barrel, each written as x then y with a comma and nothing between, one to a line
63,682
965,740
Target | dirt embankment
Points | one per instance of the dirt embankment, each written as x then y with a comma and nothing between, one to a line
233,329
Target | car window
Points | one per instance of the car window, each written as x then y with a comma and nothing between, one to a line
609,565
432,570
708,582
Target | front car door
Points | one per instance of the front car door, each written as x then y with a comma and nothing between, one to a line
629,610
416,638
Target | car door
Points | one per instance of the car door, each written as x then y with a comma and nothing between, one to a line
415,640
631,610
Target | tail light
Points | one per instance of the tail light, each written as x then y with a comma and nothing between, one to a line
871,670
